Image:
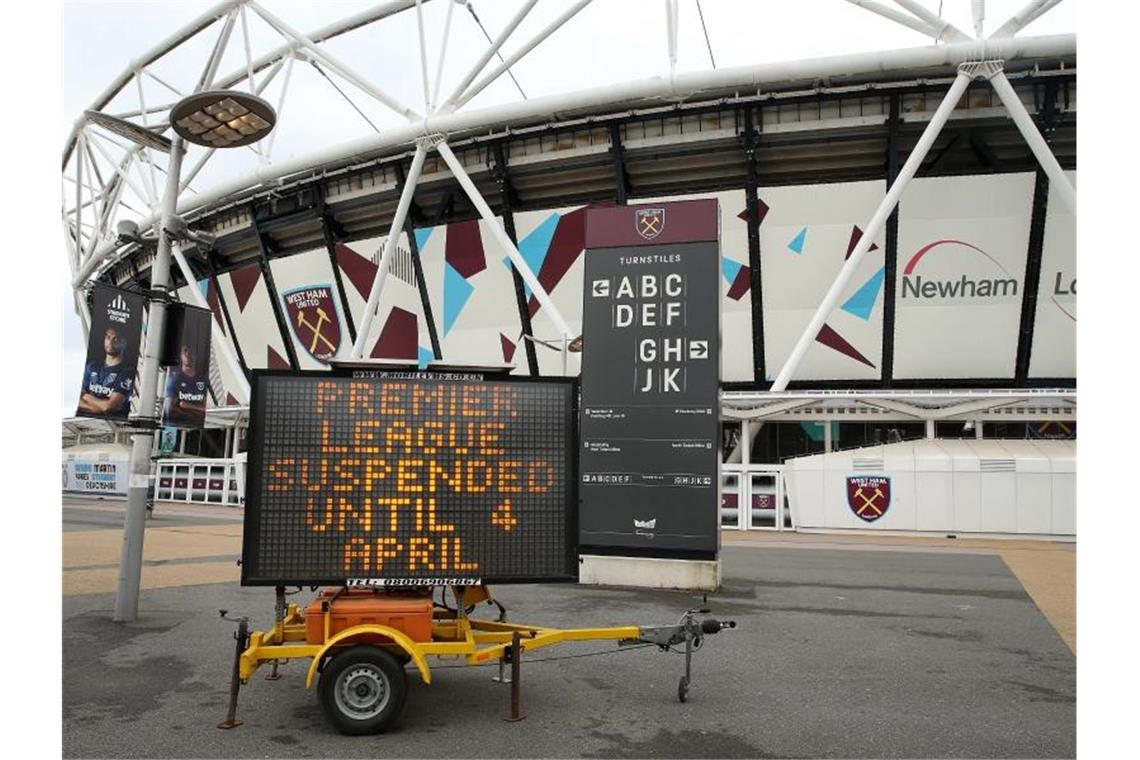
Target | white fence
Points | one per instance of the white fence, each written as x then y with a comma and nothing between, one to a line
201,481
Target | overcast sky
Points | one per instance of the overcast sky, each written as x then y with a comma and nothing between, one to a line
610,41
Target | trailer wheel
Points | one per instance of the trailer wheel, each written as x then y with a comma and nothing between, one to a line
362,690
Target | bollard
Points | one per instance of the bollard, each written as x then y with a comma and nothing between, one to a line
242,637
516,665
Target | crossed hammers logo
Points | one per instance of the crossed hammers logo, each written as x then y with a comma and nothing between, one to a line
869,501
650,224
322,317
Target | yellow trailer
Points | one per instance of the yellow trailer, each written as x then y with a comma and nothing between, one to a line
360,653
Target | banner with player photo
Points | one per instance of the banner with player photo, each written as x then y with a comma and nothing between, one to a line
186,351
112,353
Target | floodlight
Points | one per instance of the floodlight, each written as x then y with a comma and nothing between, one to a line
222,118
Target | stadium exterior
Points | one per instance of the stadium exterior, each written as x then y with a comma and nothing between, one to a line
959,321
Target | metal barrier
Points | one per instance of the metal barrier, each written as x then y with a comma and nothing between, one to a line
201,481
762,487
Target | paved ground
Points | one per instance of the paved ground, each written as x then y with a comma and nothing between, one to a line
845,648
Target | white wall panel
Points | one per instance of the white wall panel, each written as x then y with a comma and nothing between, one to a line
963,243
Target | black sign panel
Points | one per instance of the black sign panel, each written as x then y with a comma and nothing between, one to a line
112,353
650,413
404,478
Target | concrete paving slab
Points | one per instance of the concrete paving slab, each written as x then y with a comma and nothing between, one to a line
838,653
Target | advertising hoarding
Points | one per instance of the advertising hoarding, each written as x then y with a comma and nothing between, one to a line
112,353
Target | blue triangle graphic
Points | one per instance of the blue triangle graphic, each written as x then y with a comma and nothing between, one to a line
730,269
422,235
797,244
863,300
534,246
425,356
204,286
456,291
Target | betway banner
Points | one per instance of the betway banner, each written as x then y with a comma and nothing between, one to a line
187,351
650,453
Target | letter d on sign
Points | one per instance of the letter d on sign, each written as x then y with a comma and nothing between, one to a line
623,315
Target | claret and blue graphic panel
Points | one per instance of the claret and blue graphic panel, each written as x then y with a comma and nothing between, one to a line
807,233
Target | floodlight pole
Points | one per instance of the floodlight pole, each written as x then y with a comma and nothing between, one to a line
134,525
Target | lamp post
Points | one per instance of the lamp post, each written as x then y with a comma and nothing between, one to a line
214,119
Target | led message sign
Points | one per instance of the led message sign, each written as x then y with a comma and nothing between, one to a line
389,479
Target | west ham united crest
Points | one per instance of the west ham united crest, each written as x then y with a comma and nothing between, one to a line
649,222
315,321
869,496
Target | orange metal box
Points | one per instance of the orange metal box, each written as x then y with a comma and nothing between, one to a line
408,614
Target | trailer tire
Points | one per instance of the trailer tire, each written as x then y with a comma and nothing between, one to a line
362,690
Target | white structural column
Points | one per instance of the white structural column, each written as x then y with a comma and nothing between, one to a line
745,444
219,339
1023,17
505,242
514,57
450,103
945,30
1037,144
896,16
874,226
334,63
389,246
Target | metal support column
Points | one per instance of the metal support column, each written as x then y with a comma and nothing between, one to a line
966,73
1035,253
389,247
621,179
1065,190
274,299
138,491
210,264
329,234
930,431
418,268
1032,278
507,203
891,254
504,242
746,442
751,200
